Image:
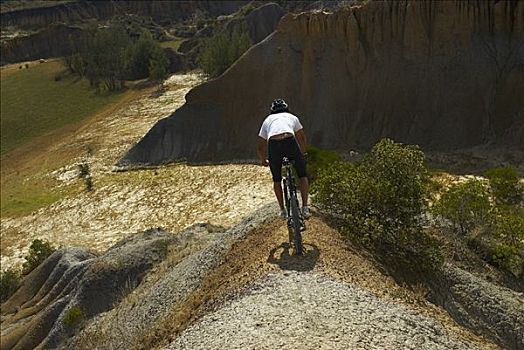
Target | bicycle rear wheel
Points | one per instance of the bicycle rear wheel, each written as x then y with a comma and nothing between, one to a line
295,224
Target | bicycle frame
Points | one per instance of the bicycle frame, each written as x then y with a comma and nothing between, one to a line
295,221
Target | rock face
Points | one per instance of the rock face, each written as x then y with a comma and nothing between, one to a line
260,22
82,10
52,41
440,74
59,21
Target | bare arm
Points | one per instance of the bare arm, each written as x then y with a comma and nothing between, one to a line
261,150
301,139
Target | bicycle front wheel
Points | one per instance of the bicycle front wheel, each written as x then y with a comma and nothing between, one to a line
295,218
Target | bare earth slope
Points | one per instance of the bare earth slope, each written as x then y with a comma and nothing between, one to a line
122,203
441,74
206,288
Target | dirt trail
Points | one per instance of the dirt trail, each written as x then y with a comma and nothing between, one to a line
263,297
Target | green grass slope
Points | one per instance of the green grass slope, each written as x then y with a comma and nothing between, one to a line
33,103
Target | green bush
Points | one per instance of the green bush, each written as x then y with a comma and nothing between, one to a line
318,159
245,10
382,201
9,283
73,316
38,251
505,185
158,64
401,181
221,51
508,252
466,205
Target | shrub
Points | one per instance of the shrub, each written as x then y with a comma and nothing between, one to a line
401,180
508,252
158,63
9,283
221,51
85,174
245,10
336,188
466,205
382,201
38,252
73,316
318,159
505,185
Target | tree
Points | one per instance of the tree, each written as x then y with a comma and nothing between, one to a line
139,56
107,57
466,205
158,64
221,51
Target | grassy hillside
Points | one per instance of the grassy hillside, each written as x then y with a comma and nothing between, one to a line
36,113
33,103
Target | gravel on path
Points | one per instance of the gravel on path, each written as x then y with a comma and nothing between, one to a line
310,310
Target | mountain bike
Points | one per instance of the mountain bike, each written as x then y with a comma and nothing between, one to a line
295,221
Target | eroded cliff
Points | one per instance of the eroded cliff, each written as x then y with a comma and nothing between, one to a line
49,30
72,12
444,75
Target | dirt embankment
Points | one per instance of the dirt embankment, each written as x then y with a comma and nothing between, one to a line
242,287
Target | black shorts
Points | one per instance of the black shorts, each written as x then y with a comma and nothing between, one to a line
278,149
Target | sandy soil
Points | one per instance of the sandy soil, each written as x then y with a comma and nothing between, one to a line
172,197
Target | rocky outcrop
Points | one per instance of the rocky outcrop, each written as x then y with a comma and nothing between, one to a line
73,285
76,299
55,27
441,74
53,41
74,11
494,311
258,23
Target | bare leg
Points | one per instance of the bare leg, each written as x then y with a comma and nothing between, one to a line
278,192
304,188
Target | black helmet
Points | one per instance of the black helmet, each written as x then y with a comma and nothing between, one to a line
278,105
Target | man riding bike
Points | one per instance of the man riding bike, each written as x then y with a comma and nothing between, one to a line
282,134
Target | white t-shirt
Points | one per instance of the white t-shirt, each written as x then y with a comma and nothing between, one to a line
279,123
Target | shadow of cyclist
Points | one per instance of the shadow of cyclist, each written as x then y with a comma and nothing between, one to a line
288,261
